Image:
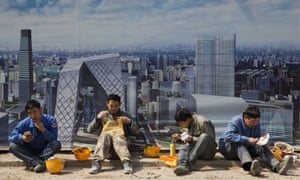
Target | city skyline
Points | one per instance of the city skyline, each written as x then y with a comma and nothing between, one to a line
75,24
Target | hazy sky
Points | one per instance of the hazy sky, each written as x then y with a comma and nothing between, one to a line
112,23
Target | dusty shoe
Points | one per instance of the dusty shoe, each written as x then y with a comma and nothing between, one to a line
39,168
29,167
255,168
285,165
127,167
96,167
181,170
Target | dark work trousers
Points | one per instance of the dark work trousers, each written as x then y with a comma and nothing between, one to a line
236,151
204,148
33,156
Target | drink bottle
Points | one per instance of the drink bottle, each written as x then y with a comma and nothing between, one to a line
172,149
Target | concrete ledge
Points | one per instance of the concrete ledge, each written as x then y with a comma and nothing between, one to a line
9,160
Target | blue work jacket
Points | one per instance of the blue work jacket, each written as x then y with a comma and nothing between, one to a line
237,132
40,140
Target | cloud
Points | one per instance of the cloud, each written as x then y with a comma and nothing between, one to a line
20,2
79,24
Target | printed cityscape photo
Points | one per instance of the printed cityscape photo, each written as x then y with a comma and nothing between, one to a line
214,57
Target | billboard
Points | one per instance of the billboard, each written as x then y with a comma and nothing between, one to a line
213,57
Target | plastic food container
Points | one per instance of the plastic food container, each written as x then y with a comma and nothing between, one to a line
170,161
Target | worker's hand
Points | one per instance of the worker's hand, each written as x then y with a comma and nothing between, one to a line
253,140
27,137
125,119
40,125
102,115
189,138
176,137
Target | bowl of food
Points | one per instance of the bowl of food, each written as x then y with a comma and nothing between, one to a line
151,151
277,153
262,141
284,147
82,153
55,166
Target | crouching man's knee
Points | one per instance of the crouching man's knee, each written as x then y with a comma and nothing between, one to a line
55,146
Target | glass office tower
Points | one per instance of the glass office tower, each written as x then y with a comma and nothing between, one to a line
215,58
26,67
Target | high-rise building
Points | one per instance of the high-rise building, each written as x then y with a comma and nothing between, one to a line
4,130
165,63
171,73
190,79
144,67
176,88
151,110
26,67
3,94
158,75
131,95
50,88
3,76
215,58
25,77
162,112
145,91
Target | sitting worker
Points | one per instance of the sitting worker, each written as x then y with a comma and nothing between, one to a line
239,142
199,143
116,126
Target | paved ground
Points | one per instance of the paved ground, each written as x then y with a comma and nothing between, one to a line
144,168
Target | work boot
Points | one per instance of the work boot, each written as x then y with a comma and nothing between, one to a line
29,167
39,168
285,165
255,168
127,167
96,167
181,170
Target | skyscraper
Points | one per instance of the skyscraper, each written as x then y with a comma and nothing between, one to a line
26,67
25,77
215,59
3,129
50,88
131,94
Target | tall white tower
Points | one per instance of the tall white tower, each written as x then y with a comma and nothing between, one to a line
131,96
215,59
